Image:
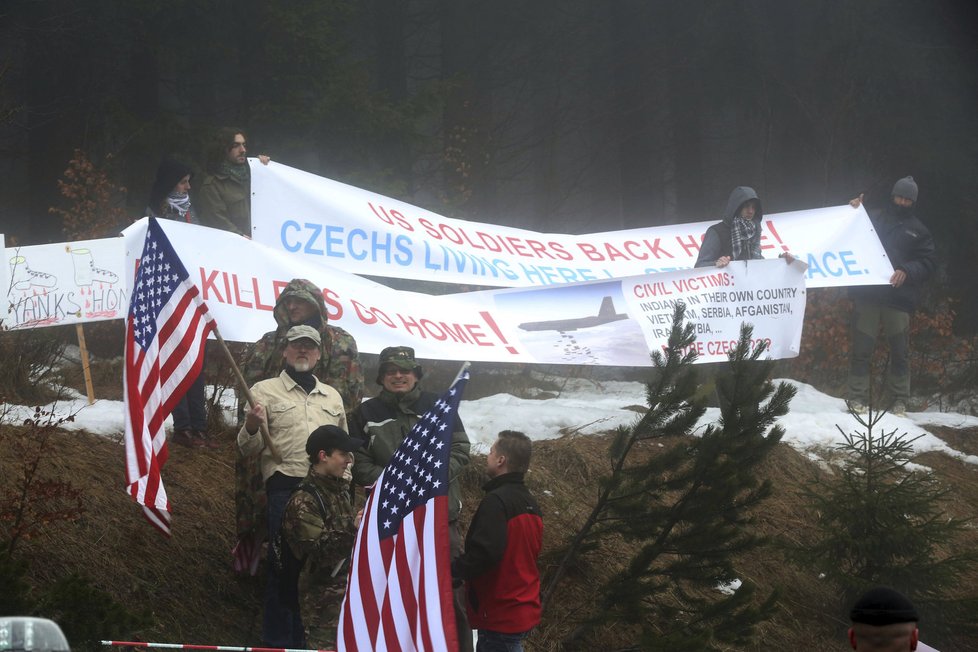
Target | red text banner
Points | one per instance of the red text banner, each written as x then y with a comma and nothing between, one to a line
613,322
330,223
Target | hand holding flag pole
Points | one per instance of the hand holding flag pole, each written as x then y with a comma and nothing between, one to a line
263,427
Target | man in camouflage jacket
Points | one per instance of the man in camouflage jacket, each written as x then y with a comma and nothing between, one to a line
301,302
319,527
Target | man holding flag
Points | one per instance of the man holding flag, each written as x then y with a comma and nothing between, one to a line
166,329
400,595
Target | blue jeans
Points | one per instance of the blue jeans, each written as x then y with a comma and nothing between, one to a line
499,642
281,627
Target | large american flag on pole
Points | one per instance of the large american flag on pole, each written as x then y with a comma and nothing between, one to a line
399,595
166,330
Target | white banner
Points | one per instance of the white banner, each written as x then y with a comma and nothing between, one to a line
361,232
66,283
614,322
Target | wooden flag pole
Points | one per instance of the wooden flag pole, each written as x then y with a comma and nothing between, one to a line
265,436
86,370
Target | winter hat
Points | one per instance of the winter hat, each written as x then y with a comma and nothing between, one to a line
331,438
905,187
883,606
401,357
167,176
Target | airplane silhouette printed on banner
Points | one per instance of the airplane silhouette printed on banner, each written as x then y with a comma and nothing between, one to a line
606,314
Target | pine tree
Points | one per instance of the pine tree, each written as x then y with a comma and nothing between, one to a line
880,522
687,507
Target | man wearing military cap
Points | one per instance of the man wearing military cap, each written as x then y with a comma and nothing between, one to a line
383,422
293,404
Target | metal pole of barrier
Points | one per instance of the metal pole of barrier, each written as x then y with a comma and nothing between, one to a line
188,646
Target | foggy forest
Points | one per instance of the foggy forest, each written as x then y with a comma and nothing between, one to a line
566,117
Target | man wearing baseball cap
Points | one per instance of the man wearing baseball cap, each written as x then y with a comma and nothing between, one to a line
320,527
384,420
884,620
293,404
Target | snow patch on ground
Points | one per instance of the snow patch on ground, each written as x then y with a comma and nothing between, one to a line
582,407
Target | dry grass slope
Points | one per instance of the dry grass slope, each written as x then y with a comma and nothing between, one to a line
187,585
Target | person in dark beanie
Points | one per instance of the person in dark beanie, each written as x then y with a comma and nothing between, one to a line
169,197
884,620
910,248
383,422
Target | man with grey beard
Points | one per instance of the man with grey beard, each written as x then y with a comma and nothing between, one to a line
293,404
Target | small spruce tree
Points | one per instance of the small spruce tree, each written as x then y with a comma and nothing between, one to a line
687,508
880,521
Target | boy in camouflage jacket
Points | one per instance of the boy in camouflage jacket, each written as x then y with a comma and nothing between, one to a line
319,527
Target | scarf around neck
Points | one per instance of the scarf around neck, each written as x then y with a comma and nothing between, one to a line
745,239
240,173
180,203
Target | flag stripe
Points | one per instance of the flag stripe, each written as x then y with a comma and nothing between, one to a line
399,593
166,331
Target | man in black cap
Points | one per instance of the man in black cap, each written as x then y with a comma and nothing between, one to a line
385,420
320,527
910,248
884,620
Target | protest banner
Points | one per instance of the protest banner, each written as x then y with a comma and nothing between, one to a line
327,222
614,322
66,283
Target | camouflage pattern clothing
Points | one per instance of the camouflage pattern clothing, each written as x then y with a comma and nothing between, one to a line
323,542
339,367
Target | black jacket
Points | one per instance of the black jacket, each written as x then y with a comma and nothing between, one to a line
383,422
910,247
499,564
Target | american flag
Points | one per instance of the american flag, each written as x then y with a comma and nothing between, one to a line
399,595
166,329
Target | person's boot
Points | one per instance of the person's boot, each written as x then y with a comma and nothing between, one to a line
188,438
207,440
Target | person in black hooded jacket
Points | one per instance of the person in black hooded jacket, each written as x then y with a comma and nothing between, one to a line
738,236
910,248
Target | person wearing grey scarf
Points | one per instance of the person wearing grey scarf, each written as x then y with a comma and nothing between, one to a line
738,236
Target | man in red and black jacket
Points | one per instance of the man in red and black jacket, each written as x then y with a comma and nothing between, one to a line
499,564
